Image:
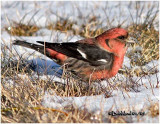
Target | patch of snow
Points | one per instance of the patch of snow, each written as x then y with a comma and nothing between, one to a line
126,62
119,101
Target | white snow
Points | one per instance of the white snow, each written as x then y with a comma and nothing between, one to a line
119,101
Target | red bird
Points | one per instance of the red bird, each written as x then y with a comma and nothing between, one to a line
90,59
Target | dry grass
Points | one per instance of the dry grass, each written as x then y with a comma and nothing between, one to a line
148,39
84,30
22,93
19,29
154,109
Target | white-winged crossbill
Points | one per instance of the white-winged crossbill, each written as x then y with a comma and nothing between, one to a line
90,59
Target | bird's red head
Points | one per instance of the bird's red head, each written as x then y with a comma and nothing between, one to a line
113,40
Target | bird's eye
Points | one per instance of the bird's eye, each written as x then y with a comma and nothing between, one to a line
121,37
107,42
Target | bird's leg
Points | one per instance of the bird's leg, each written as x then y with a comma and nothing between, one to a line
90,81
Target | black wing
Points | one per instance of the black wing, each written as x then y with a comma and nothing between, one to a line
82,51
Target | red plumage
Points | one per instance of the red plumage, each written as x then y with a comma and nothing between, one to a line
90,59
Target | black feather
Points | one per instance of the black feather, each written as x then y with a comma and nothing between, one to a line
68,49
93,53
36,47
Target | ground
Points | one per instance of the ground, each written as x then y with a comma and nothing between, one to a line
36,89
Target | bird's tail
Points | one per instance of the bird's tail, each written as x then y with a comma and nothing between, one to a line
42,49
36,47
